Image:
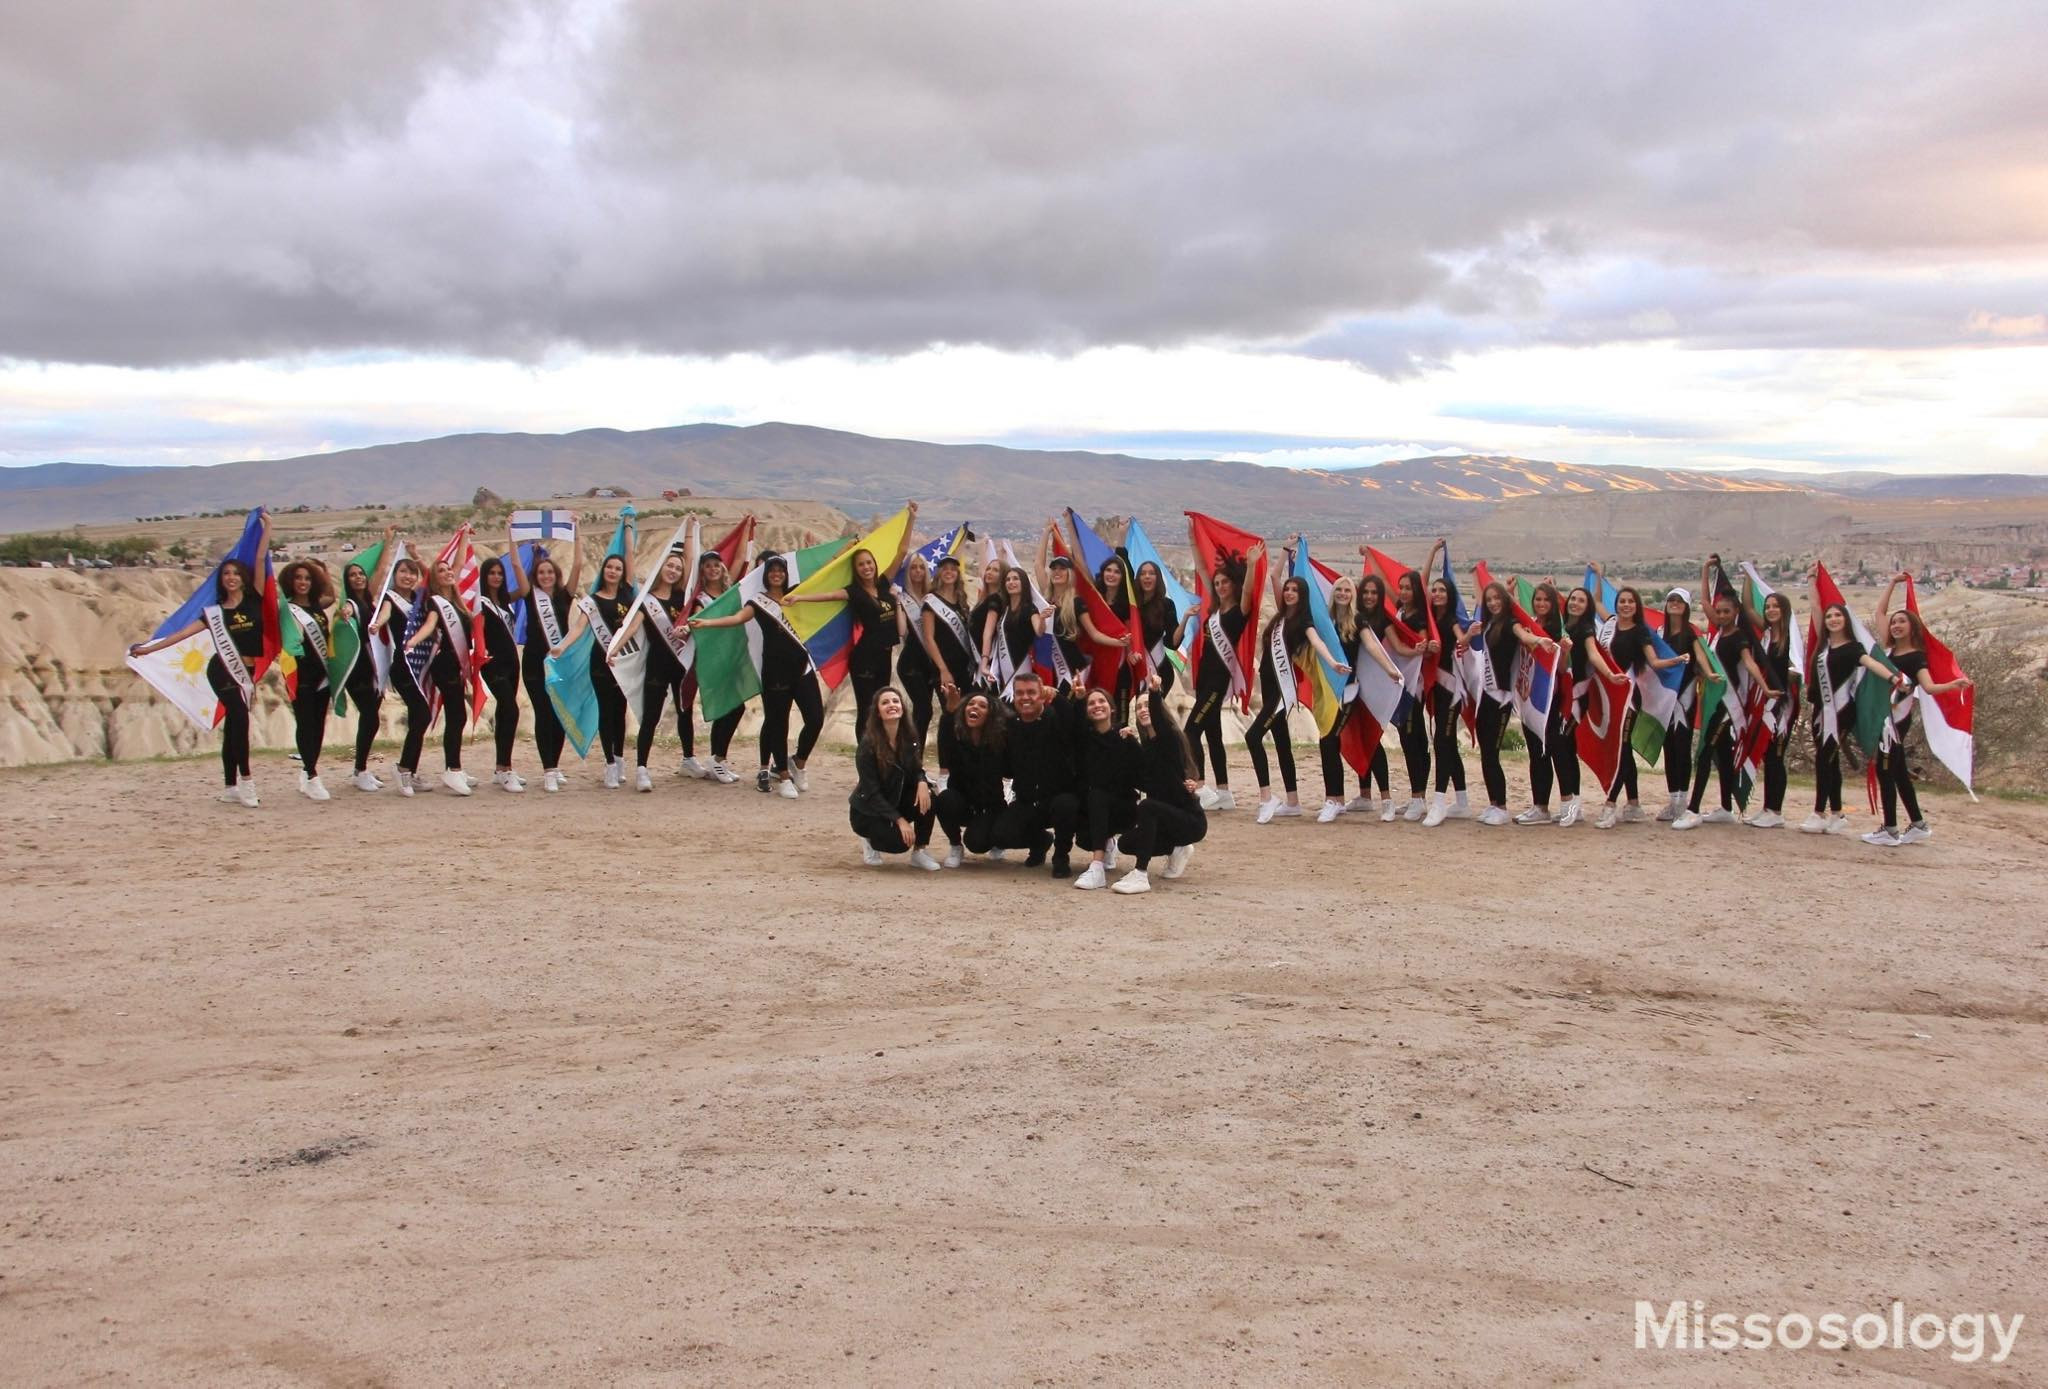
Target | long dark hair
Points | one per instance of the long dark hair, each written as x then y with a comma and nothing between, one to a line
1553,624
1297,623
483,580
220,592
1412,581
1500,626
1589,617
1165,728
1153,610
1780,631
1630,591
993,728
888,755
1373,612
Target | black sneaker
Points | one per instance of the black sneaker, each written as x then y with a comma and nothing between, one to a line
761,781
1060,867
1037,857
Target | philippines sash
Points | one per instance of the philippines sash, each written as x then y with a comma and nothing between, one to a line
230,658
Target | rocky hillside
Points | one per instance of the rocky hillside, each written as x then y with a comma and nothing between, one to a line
1471,478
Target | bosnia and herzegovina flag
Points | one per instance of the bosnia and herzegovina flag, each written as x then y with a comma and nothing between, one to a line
1656,690
1142,551
936,550
178,673
1951,716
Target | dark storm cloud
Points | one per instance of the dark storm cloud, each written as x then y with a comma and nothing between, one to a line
1387,184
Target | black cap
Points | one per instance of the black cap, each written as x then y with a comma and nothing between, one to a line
1060,562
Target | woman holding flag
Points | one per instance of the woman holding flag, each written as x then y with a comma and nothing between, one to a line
500,662
1290,639
1633,651
1774,651
1161,627
602,610
914,667
360,587
1736,650
442,622
1445,699
307,592
1232,605
235,622
1409,636
1905,638
1357,643
873,605
713,578
548,603
1553,753
945,631
1680,636
1111,581
661,682
393,614
787,680
1499,638
1373,617
1009,633
1169,820
1582,642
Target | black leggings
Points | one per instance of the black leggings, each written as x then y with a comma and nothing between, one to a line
722,729
660,687
1556,761
1272,719
1414,731
1023,824
369,702
1774,771
775,706
1827,775
887,835
866,685
1719,759
918,687
1625,782
309,715
234,722
417,713
1105,815
965,823
611,708
1678,757
1159,828
503,683
1331,748
1493,722
1450,763
1379,769
548,735
1205,724
454,717
1895,781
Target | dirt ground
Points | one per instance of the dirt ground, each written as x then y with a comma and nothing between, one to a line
617,1089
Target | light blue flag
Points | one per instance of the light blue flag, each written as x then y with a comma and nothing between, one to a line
572,694
1142,550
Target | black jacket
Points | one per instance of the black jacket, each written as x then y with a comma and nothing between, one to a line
878,796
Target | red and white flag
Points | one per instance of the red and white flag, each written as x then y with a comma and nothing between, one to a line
1952,714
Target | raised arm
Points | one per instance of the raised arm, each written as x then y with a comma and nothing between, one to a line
1045,558
515,584
1884,607
386,557
1599,590
1248,595
576,565
902,547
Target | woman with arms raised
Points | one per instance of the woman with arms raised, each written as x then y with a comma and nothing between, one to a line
549,601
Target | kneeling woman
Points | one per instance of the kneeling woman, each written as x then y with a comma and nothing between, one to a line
971,744
1169,820
891,805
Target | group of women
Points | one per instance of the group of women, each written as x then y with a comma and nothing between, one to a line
982,668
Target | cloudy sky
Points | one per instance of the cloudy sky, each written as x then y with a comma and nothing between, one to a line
1736,234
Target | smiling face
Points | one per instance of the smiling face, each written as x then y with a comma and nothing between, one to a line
1148,581
1293,596
917,577
1110,578
1029,694
1677,610
974,713
1410,591
1372,593
492,577
444,575
672,570
546,577
301,581
1496,603
1776,609
1578,604
1439,594
1724,613
864,568
1627,606
612,573
1224,587
405,576
711,570
1836,622
1540,604
1900,628
889,706
991,576
775,576
1343,593
1099,708
1014,586
355,581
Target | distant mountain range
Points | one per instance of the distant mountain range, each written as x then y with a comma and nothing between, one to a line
1002,488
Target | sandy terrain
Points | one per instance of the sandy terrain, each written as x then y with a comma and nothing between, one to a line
724,1107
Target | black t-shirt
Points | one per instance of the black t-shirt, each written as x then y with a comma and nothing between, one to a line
1169,619
536,630
1729,647
500,650
245,625
613,609
1583,637
1501,645
1842,663
783,658
1631,647
1910,664
1680,639
1038,755
1447,638
959,663
1163,773
1214,674
876,617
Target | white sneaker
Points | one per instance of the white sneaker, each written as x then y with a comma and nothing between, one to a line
1268,809
611,775
230,795
1570,814
1815,823
455,781
787,790
1718,817
796,774
1330,811
514,782
470,779
1288,811
1109,854
314,791
1673,810
1632,814
1534,815
1883,836
1494,815
245,792
1690,820
1133,881
1389,812
642,781
1413,810
363,781
1360,804
1437,810
1092,878
1208,799
1916,833
920,859
1461,808
551,781
1177,861
1610,816
1767,820
1838,825
953,855
998,855
1224,800
870,855
723,775
407,782
692,767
